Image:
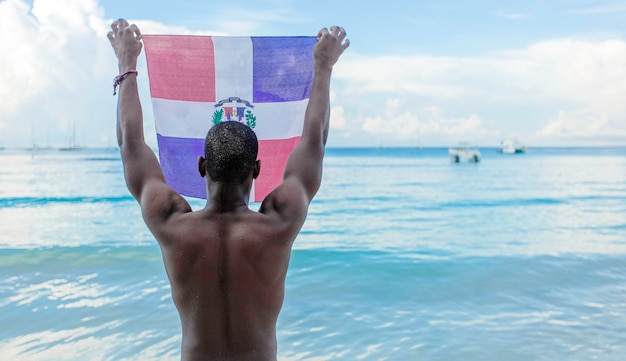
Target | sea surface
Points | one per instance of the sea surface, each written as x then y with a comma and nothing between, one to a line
404,256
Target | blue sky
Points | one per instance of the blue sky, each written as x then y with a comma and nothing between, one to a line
417,73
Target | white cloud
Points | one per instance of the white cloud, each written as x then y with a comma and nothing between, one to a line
511,16
394,121
583,80
57,73
398,124
52,60
19,53
606,9
558,69
337,118
154,27
584,122
255,21
425,75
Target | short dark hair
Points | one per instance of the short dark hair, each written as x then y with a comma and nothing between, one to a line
230,150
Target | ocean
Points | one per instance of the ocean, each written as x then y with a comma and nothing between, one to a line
404,256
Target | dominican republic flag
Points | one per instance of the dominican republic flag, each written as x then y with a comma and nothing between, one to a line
199,81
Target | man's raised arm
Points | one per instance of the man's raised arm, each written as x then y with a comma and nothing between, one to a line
303,172
142,171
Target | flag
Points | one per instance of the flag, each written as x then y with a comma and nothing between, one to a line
199,81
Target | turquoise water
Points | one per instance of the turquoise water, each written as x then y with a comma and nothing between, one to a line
404,256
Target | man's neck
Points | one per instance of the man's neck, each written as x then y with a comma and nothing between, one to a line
227,197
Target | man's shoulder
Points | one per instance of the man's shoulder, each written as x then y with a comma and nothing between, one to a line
196,220
160,204
201,228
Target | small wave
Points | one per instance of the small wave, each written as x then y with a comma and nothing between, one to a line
103,159
504,202
39,201
77,256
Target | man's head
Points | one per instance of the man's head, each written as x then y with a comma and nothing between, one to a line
230,151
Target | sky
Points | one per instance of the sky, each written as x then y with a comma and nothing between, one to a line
417,73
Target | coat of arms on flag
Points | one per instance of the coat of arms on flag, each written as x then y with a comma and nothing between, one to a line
199,81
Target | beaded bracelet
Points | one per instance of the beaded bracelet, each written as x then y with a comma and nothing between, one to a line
118,79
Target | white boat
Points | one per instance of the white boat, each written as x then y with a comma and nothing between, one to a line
72,144
464,153
511,146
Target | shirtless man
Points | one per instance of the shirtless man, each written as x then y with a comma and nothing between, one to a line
226,263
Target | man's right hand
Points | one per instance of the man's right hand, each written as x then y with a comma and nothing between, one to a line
330,45
303,172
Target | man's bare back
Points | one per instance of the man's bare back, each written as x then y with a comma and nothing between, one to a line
227,282
226,263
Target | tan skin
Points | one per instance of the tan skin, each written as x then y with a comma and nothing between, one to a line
226,263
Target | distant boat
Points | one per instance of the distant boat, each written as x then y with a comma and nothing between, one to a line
511,146
72,144
34,146
463,152
72,147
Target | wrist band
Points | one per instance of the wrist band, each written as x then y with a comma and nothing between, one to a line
118,79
